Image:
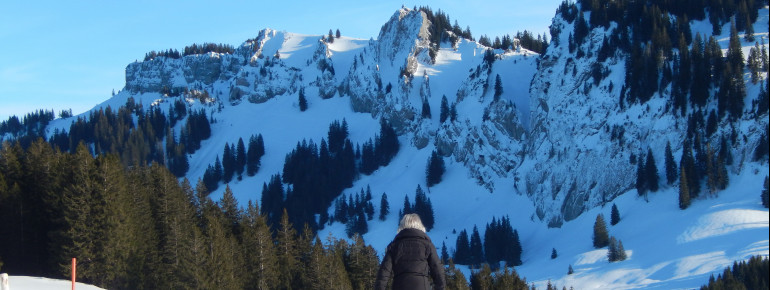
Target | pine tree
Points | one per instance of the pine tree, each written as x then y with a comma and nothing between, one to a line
435,169
407,209
444,253
454,278
316,259
228,163
711,171
453,112
384,207
425,109
482,279
223,256
614,215
553,254
362,264
764,195
570,271
253,155
601,236
651,172
424,208
258,249
612,251
671,167
80,238
444,110
476,248
498,88
232,213
302,100
240,158
462,249
684,192
621,251
288,256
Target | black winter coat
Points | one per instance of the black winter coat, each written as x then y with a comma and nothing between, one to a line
411,260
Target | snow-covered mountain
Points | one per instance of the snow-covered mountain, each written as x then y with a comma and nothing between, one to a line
582,138
545,154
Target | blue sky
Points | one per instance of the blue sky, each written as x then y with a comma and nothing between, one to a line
72,54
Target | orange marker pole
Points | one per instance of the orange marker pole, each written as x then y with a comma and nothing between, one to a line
74,265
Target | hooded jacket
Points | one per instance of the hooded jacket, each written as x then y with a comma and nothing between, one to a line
411,260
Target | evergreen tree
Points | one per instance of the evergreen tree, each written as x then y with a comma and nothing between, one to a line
684,192
362,264
621,251
287,253
482,279
232,214
258,249
641,176
424,208
570,271
228,163
601,236
240,158
444,110
407,207
254,154
384,207
425,109
387,144
764,195
302,100
651,172
612,251
476,249
687,162
453,112
444,253
224,257
435,169
671,167
553,254
498,88
455,279
462,249
513,253
369,209
614,215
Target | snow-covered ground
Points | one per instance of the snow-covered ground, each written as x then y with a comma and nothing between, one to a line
36,283
667,248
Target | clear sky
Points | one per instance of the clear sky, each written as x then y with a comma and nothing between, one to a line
72,54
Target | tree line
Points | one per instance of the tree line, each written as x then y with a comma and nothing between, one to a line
235,161
751,274
315,175
500,244
140,227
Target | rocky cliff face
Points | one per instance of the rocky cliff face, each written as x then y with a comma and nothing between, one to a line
584,144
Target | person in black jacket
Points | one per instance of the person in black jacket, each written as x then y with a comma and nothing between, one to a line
411,259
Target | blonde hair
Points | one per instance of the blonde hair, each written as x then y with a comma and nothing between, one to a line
411,221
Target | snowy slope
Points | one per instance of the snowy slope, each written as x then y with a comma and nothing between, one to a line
519,162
